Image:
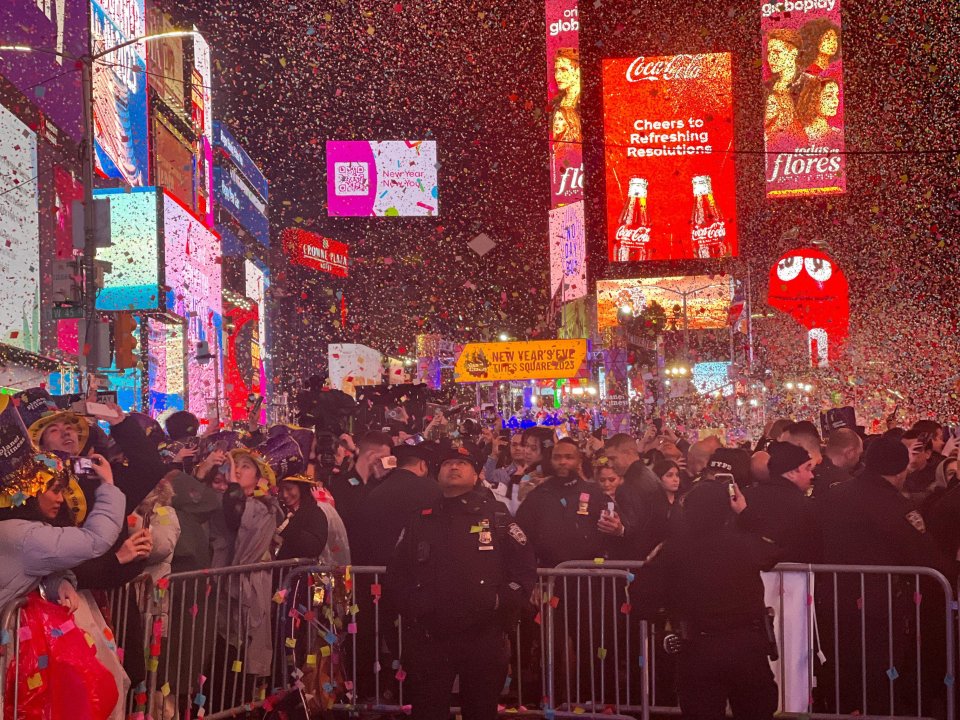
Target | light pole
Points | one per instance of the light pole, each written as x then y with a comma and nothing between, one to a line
86,62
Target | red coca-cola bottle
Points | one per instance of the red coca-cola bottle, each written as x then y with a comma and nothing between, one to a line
707,229
633,234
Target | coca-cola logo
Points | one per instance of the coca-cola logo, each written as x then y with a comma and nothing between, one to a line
717,231
639,236
677,67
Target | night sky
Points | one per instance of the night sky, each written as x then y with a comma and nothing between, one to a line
471,75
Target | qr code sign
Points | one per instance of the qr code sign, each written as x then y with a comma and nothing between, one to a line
353,178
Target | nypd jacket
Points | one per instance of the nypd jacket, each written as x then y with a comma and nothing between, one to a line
460,563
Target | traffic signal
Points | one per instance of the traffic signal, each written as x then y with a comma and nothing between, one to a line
125,341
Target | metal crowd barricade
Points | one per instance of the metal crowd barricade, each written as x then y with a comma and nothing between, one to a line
850,618
122,603
353,662
210,641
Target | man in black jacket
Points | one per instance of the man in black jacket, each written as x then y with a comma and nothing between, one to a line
867,521
779,508
405,490
462,574
840,457
563,515
707,577
351,490
637,495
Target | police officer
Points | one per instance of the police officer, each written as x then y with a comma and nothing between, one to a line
406,489
462,573
867,521
707,577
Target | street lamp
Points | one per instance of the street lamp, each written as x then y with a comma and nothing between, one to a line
89,239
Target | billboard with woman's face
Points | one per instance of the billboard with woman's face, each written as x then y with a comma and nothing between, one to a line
803,99
563,99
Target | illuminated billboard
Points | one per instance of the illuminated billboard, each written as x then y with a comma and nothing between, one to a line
165,62
568,253
163,258
133,282
257,284
668,129
202,110
67,189
391,178
193,280
563,100
707,300
19,235
165,354
803,125
230,147
531,360
237,198
315,251
120,91
174,161
50,81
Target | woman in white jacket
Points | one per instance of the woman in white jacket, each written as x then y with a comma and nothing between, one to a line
33,549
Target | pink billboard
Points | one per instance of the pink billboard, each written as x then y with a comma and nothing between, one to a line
803,96
382,179
563,99
192,264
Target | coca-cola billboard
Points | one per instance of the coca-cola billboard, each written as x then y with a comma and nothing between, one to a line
668,129
563,99
803,98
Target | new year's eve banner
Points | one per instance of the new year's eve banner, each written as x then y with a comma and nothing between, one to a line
563,98
390,178
668,129
531,360
803,96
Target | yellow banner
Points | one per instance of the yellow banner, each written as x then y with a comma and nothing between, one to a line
533,360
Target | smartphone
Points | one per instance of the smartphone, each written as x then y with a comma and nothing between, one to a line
561,432
658,424
413,440
83,466
610,506
729,480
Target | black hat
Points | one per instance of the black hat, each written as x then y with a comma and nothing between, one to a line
461,453
422,451
887,456
182,425
733,461
785,457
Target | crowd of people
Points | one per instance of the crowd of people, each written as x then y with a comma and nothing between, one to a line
462,514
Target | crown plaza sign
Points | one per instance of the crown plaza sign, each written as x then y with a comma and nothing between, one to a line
315,251
533,360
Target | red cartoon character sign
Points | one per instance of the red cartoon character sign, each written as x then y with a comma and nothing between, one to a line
807,285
